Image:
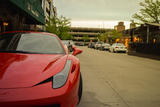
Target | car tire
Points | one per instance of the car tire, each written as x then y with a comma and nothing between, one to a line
80,89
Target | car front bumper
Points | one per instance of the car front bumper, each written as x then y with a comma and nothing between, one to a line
121,50
106,48
42,95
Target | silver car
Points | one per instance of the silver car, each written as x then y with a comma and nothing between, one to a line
105,46
69,44
98,45
118,47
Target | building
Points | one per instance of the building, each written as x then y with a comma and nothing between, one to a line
132,25
49,9
20,14
79,33
145,38
120,27
55,11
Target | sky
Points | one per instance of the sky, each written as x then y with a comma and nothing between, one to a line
97,13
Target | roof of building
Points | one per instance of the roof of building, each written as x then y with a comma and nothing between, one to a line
90,29
153,24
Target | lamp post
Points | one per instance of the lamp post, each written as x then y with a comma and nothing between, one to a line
147,34
110,38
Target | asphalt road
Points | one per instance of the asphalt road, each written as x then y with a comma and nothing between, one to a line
119,80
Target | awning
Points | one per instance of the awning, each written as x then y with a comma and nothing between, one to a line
33,8
153,24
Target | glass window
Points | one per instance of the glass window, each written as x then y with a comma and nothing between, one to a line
30,43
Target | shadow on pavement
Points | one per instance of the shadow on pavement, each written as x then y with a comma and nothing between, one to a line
143,55
89,100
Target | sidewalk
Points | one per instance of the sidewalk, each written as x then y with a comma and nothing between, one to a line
145,55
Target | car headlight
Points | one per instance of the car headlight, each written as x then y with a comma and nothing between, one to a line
60,79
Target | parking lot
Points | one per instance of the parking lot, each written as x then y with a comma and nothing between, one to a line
119,80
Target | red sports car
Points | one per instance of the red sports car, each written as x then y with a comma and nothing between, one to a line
36,70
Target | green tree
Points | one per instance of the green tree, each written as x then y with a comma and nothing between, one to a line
103,37
51,26
59,26
99,36
116,35
150,12
85,38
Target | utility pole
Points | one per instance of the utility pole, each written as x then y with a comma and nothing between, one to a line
147,34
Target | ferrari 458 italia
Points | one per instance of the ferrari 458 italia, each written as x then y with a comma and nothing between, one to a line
36,70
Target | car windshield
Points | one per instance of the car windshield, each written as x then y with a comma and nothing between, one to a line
120,44
30,43
106,44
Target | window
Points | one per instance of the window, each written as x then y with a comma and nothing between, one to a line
31,43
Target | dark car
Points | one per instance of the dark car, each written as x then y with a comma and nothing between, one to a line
91,45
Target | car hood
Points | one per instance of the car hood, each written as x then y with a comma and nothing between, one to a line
27,70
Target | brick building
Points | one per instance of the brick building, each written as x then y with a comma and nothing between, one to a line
120,27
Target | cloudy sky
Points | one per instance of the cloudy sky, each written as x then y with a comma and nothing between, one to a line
97,13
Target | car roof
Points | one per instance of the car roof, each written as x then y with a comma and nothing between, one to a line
117,43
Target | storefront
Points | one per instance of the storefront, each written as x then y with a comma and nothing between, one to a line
20,14
145,39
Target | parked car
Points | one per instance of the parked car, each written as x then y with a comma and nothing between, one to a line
86,43
91,45
118,47
105,46
35,70
69,44
98,45
79,43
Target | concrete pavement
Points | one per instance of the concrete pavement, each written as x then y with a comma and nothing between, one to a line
119,80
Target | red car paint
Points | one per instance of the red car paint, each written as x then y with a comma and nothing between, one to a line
20,74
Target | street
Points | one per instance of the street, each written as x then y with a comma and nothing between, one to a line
118,80
41,63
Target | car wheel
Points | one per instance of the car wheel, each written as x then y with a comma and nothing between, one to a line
80,89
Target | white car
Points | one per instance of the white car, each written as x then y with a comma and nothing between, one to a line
105,46
118,47
98,45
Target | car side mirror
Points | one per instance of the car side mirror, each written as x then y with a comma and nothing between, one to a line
76,51
70,48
